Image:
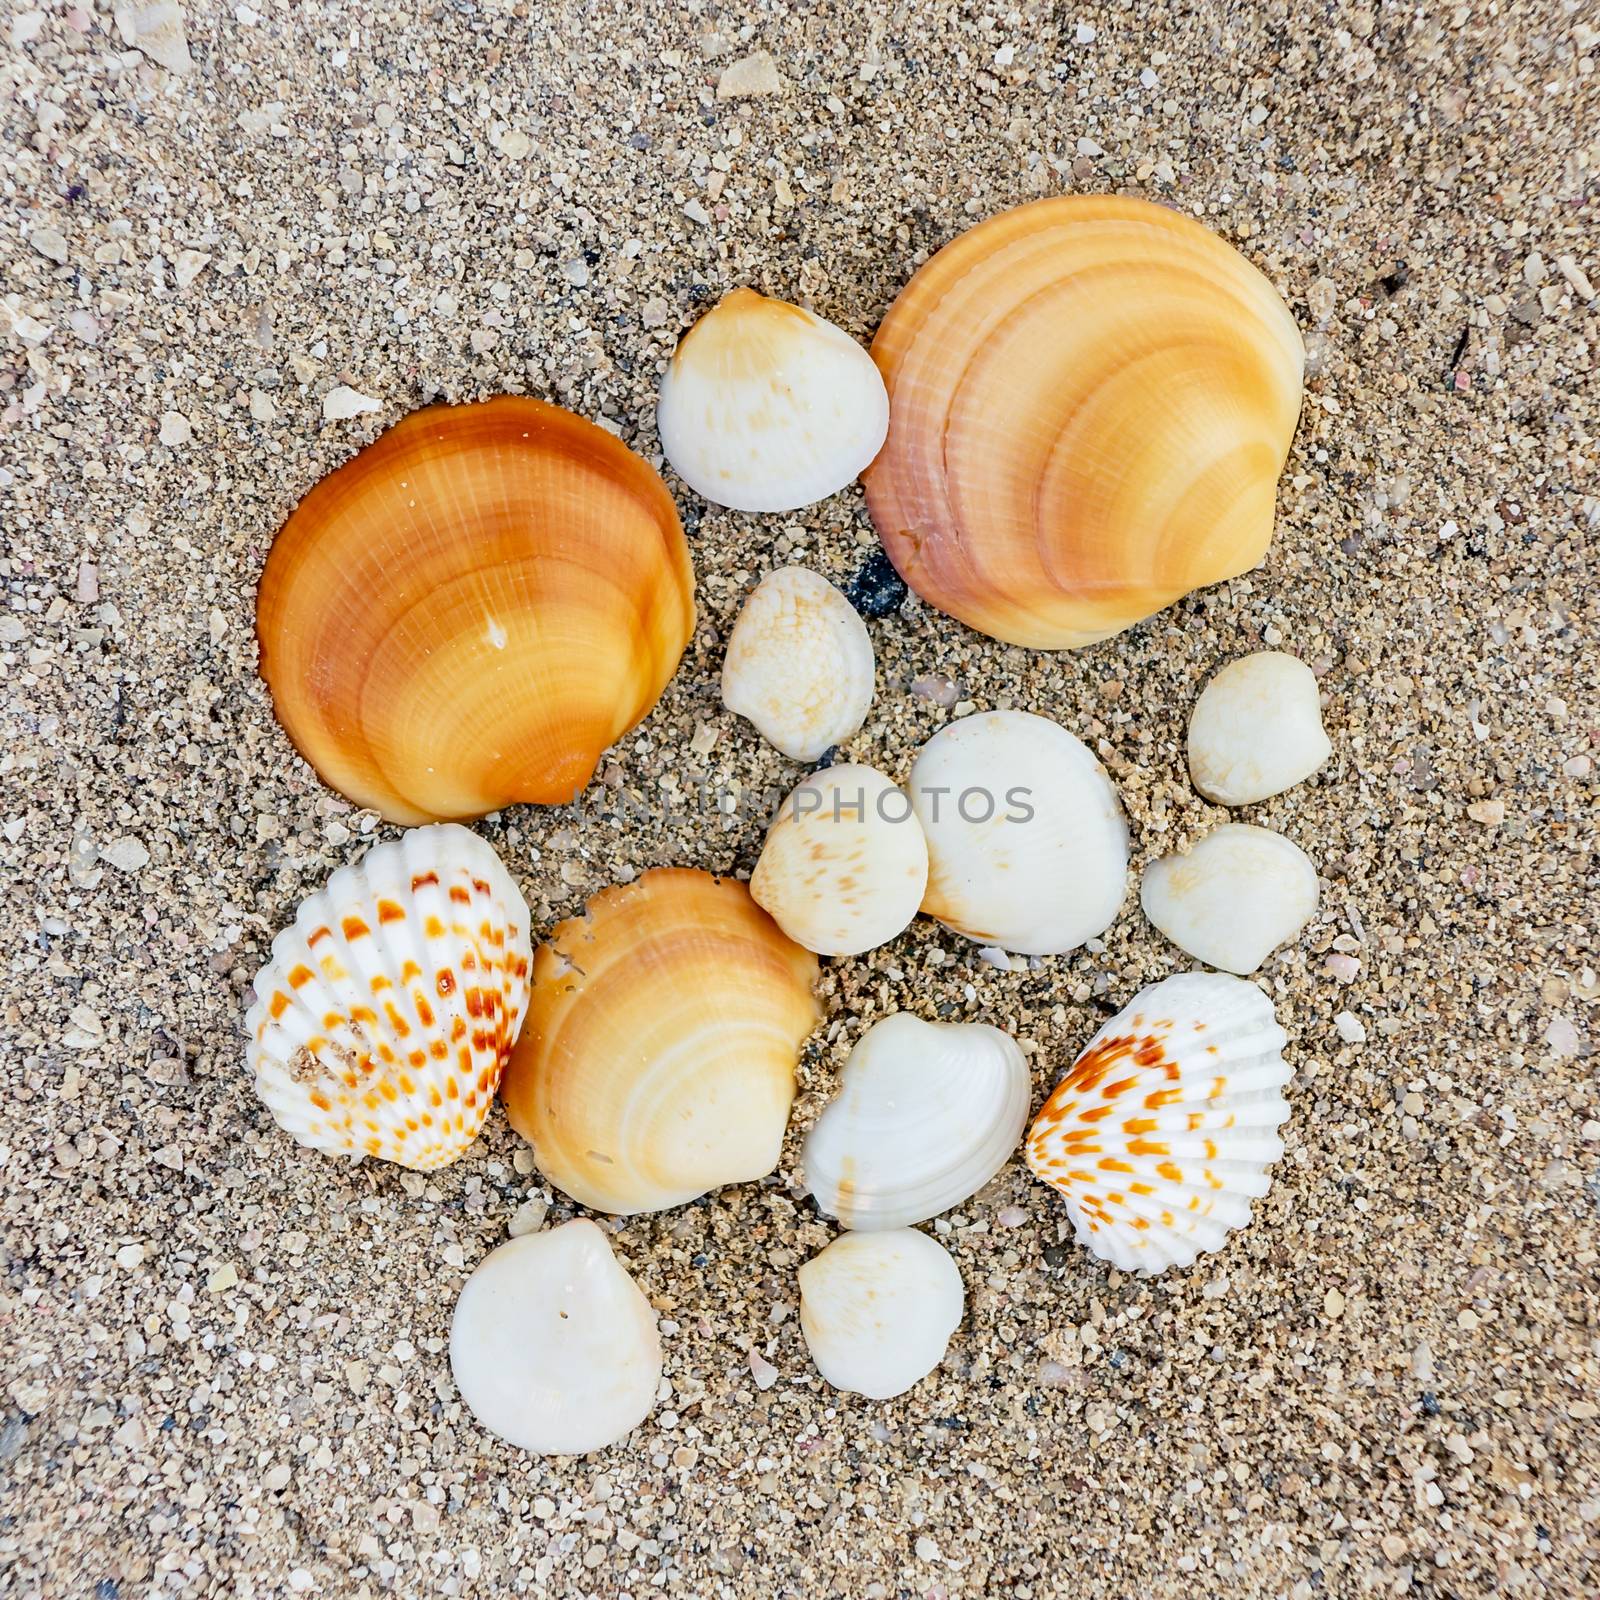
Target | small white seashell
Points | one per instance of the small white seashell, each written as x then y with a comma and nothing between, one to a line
1027,848
553,1346
1256,729
845,863
766,407
1238,895
1162,1132
878,1309
926,1114
799,664
386,1013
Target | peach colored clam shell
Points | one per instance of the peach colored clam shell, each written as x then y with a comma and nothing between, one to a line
1091,399
657,1060
472,609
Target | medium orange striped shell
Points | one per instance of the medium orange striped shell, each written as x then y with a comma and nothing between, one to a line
1090,401
473,608
387,1010
659,1054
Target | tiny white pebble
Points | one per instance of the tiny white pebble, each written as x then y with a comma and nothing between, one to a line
1349,1028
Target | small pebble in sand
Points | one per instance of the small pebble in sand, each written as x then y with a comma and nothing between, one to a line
935,686
50,243
175,428
529,1216
762,1370
1345,968
1489,812
755,74
1350,1028
344,402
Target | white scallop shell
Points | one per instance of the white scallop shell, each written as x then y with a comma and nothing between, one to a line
553,1346
845,863
799,664
1161,1134
1256,729
1027,847
1237,895
926,1114
386,1012
766,407
878,1309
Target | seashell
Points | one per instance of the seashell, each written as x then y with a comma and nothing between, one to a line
878,1309
659,1053
472,609
845,863
766,407
1238,895
387,1011
927,1113
553,1346
1027,848
1256,729
1161,1134
1090,401
799,664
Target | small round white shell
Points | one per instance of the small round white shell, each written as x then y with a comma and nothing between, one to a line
1237,895
1027,847
878,1309
767,407
552,1345
845,863
926,1114
799,664
1256,729
1161,1133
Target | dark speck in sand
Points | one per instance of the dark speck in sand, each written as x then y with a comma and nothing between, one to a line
877,589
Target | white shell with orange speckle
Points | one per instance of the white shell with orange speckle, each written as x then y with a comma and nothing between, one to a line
845,864
386,1013
1161,1134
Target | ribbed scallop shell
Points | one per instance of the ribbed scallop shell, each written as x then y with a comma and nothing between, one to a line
1091,399
473,608
386,1012
1161,1134
767,407
553,1346
658,1057
926,1114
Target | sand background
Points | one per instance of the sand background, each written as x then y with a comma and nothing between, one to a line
223,1357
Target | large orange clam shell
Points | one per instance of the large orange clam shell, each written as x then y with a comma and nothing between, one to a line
657,1059
1090,401
472,609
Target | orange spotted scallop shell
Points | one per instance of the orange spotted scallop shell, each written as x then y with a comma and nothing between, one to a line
386,1013
1161,1134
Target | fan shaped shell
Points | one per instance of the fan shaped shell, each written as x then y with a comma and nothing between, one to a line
1161,1134
387,1011
472,609
658,1057
1091,399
